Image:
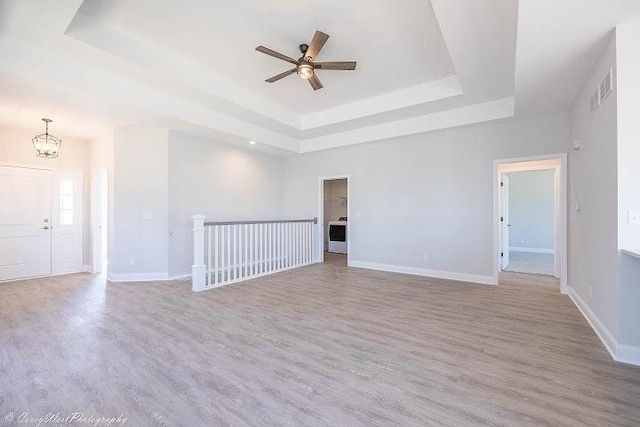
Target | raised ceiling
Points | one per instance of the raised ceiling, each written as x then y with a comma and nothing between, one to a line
422,65
396,47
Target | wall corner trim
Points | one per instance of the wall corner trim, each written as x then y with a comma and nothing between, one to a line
437,274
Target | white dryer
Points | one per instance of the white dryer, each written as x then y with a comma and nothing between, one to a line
338,237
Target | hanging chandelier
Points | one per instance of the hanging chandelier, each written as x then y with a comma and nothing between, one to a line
46,145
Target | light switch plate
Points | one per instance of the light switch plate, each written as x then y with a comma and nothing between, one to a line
633,216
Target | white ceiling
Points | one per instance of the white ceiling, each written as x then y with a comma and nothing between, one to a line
422,65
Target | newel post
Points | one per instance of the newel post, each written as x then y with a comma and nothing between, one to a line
198,270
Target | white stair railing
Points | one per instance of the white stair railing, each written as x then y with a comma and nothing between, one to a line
234,251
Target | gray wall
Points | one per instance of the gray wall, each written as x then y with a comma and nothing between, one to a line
221,181
429,194
531,209
593,230
140,158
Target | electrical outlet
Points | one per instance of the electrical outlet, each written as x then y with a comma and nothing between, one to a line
427,258
633,216
132,261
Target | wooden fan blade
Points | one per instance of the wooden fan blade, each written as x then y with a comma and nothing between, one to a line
319,39
275,54
315,82
336,65
281,76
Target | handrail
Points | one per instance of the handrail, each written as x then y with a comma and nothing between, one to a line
282,221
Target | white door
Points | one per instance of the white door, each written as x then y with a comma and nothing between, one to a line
504,221
25,222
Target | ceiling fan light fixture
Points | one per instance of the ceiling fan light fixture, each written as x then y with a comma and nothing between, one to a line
305,71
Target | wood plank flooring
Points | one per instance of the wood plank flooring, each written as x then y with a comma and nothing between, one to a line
324,345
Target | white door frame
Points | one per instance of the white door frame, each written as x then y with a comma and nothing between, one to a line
320,226
503,206
561,209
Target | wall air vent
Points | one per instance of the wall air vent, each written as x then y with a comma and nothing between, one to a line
603,90
606,86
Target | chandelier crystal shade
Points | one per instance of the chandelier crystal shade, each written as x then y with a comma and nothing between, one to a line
47,146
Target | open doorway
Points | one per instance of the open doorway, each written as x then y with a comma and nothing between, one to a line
99,220
530,229
528,212
334,212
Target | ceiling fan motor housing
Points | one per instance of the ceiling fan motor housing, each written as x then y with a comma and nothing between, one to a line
303,48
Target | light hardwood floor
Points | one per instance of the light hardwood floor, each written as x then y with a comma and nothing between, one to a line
321,345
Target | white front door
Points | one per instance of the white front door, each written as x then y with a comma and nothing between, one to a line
504,221
25,222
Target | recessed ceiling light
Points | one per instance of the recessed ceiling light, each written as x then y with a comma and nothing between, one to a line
252,142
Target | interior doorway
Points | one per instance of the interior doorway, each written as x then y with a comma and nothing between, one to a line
334,216
530,204
528,222
99,220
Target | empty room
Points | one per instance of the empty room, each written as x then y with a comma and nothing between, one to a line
305,213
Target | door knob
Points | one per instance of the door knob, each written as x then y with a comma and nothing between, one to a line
46,227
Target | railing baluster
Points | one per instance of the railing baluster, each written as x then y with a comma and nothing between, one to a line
270,248
260,242
278,247
290,245
304,244
209,256
297,243
222,249
250,259
216,242
311,246
273,247
240,249
228,267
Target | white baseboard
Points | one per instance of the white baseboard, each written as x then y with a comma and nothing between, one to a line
449,275
596,324
619,352
87,268
137,277
532,250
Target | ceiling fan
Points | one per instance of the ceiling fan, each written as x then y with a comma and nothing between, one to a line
305,66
